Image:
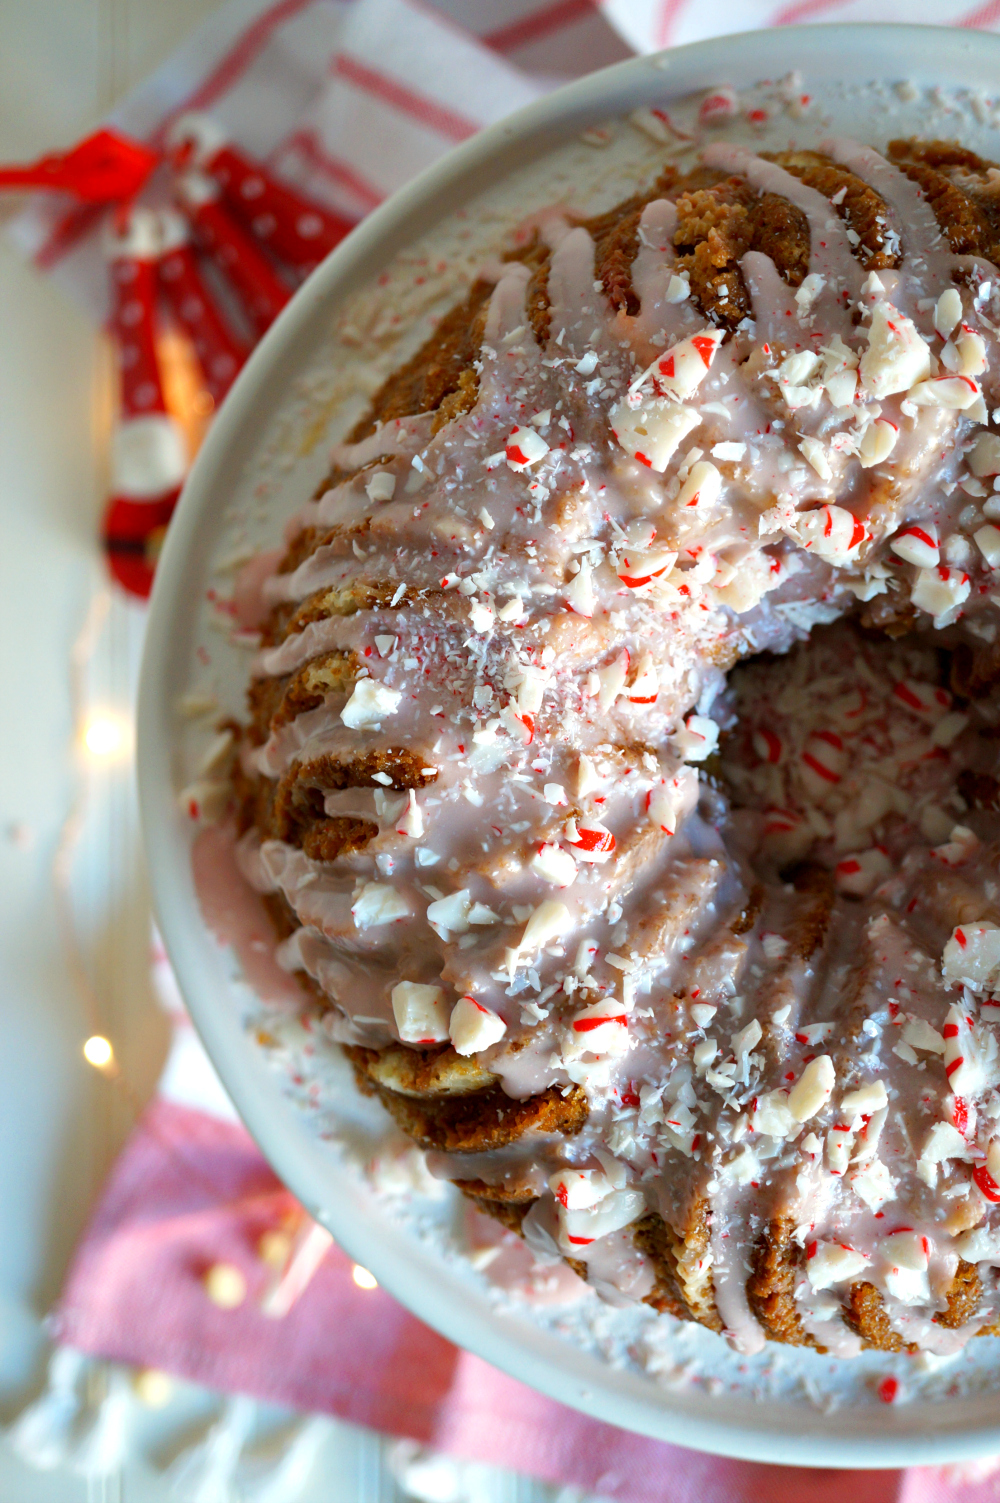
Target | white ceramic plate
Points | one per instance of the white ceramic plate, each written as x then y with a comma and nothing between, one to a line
266,450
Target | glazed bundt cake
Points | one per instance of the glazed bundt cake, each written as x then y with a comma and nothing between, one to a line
685,977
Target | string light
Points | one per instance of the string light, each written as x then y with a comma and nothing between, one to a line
105,736
363,1278
97,1051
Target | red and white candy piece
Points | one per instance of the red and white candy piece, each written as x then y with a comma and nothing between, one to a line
219,354
662,805
702,486
258,286
421,1013
987,1176
767,744
830,1263
718,104
897,356
601,1028
639,567
907,1256
941,592
954,392
961,1060
922,698
411,819
473,1027
831,532
697,738
918,544
652,432
824,761
580,595
524,447
580,1189
148,455
554,865
839,1142
580,1229
972,957
679,372
591,840
611,680
645,686
877,442
298,231
862,871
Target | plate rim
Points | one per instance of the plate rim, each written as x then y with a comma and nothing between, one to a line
276,1125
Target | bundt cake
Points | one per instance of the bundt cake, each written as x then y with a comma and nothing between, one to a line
684,974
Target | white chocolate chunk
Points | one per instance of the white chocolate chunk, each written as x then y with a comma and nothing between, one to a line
601,1029
988,542
918,544
816,454
421,1013
369,704
866,1100
652,432
697,739
549,920
773,1116
948,312
972,955
378,903
919,1034
524,447
580,1189
941,592
984,456
554,865
474,1027
830,1263
381,486
580,594
954,392
831,532
450,915
873,1184
877,443
813,1089
897,356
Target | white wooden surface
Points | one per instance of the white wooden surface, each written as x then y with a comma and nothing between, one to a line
62,64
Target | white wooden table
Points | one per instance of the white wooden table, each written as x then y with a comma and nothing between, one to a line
62,64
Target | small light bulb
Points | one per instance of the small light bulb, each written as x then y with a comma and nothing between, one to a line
104,736
97,1051
363,1278
225,1285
